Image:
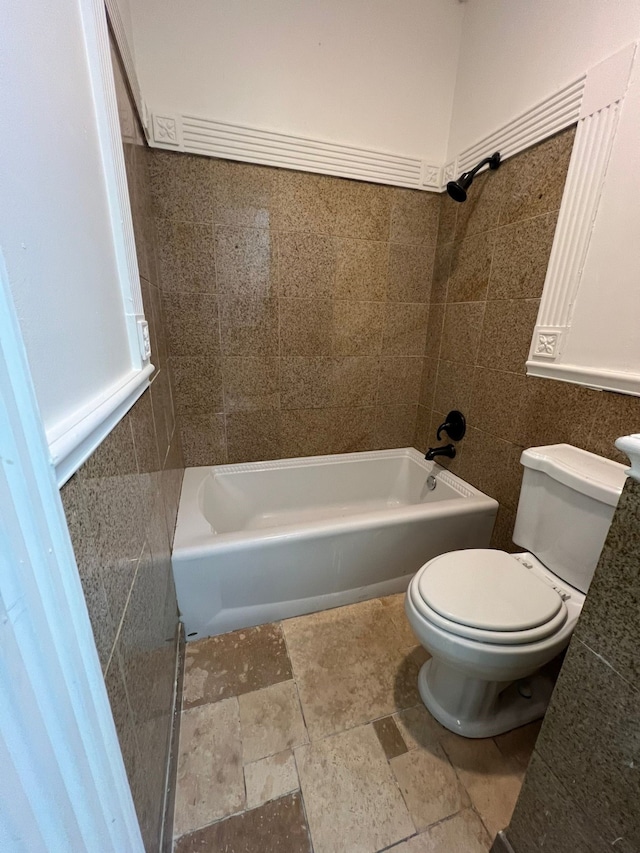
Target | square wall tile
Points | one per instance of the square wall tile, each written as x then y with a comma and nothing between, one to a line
410,273
191,321
352,429
520,258
428,382
181,187
462,331
243,194
357,328
435,326
481,211
251,383
547,815
506,334
197,383
616,415
414,217
246,262
454,386
591,734
441,269
307,264
554,412
305,327
395,425
186,257
470,268
496,401
608,622
362,210
249,327
354,381
253,436
305,202
306,382
405,328
306,432
203,439
534,181
399,380
447,217
361,270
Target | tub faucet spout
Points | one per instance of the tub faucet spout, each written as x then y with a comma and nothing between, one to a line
445,450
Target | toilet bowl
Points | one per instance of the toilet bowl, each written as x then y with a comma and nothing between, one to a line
492,620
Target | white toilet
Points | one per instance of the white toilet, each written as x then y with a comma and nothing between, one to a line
490,619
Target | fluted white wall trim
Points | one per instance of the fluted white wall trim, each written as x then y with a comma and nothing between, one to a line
199,135
595,133
551,115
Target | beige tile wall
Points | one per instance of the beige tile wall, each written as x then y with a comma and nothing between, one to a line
297,308
491,260
121,508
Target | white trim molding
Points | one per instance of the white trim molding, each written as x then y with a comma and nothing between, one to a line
74,441
604,90
551,115
199,135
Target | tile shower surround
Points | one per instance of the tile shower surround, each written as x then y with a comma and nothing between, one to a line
490,265
121,509
296,306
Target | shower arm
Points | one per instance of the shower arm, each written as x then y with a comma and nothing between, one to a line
488,161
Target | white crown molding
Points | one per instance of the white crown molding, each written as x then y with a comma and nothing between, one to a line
551,115
198,135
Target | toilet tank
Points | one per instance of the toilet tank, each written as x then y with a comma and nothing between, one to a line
567,501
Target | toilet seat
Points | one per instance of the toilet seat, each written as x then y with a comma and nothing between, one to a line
488,596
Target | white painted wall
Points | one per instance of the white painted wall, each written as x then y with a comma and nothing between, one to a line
65,225
370,73
54,220
514,53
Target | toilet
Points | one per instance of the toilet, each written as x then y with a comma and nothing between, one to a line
492,620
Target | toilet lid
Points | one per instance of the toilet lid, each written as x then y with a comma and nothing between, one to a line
486,589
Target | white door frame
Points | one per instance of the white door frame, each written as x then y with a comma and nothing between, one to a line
63,784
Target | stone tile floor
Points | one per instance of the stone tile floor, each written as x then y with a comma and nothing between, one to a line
309,735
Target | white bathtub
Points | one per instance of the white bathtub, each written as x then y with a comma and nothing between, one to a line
267,540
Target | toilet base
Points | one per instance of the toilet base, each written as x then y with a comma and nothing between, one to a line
475,708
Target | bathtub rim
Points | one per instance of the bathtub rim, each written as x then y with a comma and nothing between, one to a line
194,538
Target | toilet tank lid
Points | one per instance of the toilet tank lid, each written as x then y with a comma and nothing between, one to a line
591,475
